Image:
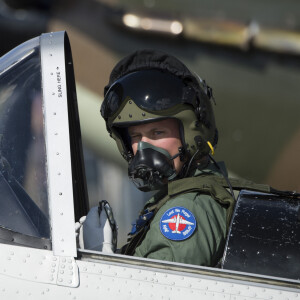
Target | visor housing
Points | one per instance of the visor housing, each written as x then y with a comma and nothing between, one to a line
151,90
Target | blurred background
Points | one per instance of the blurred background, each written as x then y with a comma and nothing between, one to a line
247,51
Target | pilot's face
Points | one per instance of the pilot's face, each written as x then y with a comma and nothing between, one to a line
163,134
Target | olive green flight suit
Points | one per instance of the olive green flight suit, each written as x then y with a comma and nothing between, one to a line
205,246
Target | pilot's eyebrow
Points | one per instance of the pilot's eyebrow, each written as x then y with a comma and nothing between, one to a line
132,132
161,128
158,128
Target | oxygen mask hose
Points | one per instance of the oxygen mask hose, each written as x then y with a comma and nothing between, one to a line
151,167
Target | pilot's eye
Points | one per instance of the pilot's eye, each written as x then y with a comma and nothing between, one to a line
158,132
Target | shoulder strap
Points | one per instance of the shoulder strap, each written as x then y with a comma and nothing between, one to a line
202,183
207,185
216,187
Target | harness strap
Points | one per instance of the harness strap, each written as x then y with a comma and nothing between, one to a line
203,181
216,187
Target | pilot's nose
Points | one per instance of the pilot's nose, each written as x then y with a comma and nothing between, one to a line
146,139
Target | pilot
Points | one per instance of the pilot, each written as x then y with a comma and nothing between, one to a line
160,115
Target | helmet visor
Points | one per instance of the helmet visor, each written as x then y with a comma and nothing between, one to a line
151,90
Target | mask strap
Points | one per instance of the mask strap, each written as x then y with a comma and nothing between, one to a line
180,153
176,155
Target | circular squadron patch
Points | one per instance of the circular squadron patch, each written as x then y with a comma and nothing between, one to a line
177,224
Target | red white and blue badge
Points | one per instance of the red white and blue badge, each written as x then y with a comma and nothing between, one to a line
177,224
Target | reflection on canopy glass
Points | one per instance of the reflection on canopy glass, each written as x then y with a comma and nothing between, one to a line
22,144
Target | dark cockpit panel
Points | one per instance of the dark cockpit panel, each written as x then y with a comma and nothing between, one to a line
264,237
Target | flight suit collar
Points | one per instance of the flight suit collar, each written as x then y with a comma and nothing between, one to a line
210,169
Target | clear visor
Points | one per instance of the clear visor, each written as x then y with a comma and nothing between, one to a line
151,90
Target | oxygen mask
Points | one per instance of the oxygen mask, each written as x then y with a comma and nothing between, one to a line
151,167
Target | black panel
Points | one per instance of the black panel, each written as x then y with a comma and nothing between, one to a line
78,171
265,236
